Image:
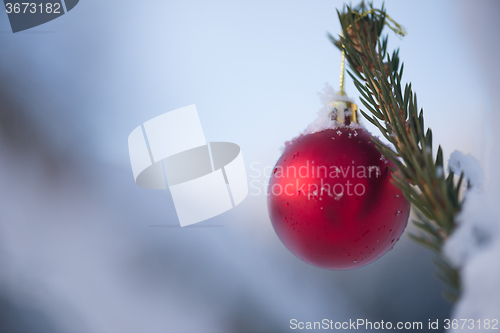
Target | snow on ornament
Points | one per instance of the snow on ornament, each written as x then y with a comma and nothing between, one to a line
331,201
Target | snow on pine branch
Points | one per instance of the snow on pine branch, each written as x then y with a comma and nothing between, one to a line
474,246
469,165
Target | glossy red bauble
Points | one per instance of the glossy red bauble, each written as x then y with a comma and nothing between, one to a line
331,201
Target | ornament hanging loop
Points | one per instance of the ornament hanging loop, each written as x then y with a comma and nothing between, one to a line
344,111
342,70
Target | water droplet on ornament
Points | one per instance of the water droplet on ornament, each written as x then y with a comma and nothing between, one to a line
355,133
399,212
339,132
354,261
392,241
321,208
396,195
350,135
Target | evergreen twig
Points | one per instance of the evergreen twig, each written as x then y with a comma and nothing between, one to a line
393,108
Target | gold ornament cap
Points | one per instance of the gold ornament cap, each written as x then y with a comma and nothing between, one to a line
344,112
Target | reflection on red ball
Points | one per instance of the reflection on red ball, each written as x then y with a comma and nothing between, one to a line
331,201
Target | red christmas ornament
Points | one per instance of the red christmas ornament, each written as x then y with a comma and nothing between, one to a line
331,201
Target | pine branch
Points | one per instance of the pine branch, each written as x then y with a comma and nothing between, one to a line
377,76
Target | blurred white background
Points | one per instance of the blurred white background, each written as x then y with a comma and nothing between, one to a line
79,246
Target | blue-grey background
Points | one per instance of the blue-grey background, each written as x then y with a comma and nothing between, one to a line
80,249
